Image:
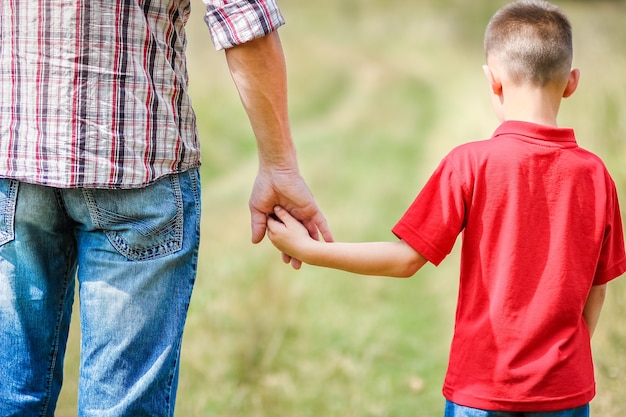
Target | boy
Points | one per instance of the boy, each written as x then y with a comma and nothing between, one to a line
542,234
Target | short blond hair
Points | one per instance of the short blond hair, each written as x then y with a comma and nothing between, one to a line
532,39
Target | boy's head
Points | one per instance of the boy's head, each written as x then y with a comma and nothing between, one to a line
532,42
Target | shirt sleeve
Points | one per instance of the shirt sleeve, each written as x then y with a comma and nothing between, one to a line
235,22
436,217
612,260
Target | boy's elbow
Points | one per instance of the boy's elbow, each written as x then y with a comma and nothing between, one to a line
412,265
407,273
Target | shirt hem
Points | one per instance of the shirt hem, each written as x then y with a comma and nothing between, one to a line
520,405
97,184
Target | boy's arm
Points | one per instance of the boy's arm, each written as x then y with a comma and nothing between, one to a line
593,306
393,259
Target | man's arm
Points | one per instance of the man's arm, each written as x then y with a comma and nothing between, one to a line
392,259
593,306
259,72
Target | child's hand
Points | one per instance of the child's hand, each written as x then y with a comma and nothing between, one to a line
287,234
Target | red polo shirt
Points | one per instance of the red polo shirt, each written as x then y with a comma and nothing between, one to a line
541,224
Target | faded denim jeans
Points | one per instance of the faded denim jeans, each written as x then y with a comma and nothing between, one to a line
455,410
134,255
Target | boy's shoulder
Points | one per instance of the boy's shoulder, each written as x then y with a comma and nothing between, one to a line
524,138
520,143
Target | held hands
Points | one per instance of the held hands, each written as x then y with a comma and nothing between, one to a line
288,235
285,188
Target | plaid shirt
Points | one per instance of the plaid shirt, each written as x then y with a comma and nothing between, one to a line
94,93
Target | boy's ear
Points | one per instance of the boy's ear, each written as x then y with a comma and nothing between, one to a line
494,81
572,83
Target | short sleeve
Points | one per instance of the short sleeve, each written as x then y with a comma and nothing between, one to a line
240,21
612,260
436,217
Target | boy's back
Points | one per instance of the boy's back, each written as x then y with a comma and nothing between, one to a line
534,209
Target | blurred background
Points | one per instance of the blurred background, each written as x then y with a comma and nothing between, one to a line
380,91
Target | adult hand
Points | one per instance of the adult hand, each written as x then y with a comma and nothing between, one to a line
285,188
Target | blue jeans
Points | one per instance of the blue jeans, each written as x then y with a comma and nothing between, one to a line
134,254
455,410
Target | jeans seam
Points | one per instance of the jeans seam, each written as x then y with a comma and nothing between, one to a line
195,185
55,348
172,375
172,388
8,214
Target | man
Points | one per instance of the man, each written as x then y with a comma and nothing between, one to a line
99,180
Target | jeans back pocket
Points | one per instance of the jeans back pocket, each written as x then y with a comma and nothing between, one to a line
144,223
8,201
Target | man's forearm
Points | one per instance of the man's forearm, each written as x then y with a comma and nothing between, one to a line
258,70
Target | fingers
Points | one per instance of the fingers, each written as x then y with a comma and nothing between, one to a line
280,224
283,215
315,226
311,227
295,263
259,225
286,258
275,228
321,225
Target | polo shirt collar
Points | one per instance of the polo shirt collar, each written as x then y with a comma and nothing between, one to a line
531,131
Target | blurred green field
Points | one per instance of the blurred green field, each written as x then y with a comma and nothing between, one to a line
380,90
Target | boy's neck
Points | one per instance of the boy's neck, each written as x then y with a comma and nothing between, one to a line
531,104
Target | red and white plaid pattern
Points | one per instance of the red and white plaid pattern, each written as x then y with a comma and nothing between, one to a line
235,22
93,93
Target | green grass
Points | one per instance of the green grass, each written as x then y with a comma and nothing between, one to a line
379,91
